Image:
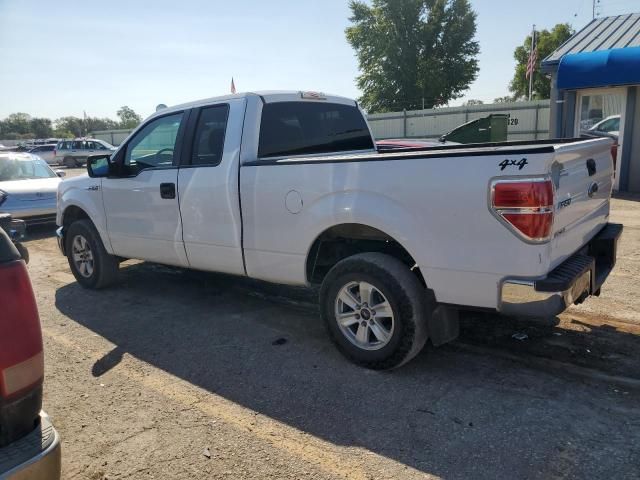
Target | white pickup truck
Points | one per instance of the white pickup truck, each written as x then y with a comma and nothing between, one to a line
288,187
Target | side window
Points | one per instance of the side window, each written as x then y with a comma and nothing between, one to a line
208,143
77,145
99,146
301,128
91,145
153,146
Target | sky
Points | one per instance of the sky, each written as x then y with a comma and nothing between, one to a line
97,56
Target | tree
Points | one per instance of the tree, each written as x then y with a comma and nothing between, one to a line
505,99
128,118
547,42
471,102
410,51
40,127
17,123
73,125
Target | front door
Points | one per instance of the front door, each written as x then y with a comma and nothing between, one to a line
141,205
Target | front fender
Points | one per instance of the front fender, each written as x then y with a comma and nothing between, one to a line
89,201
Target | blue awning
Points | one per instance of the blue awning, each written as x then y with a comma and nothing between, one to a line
602,68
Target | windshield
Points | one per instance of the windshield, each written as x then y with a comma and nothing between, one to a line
24,169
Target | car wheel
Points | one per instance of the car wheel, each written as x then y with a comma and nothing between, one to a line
90,263
69,162
376,310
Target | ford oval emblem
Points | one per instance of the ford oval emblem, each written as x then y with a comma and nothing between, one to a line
593,189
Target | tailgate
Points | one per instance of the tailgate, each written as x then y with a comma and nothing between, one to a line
583,175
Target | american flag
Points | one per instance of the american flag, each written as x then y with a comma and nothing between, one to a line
233,86
533,57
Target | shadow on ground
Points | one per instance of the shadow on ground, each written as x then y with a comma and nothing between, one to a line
447,413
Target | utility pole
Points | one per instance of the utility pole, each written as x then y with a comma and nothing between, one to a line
533,44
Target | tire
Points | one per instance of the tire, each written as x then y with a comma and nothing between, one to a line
95,270
404,331
69,162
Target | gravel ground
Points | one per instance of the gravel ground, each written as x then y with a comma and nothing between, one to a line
177,374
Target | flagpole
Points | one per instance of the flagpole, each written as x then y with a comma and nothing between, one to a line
533,39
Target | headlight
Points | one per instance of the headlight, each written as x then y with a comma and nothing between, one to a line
3,197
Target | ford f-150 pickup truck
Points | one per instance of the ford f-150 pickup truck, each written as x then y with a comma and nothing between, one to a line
288,187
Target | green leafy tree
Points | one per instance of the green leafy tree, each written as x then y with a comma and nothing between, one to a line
505,99
471,102
16,123
40,127
547,42
72,125
128,118
413,50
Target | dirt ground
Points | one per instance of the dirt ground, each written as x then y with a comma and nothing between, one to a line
178,374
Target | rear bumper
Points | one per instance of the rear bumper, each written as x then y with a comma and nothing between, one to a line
36,456
571,282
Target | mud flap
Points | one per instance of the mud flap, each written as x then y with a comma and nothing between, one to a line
444,325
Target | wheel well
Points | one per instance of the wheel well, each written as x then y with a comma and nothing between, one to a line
345,240
73,213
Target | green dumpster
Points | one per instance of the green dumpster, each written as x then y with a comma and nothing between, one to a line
492,128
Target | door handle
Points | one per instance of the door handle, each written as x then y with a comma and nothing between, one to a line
168,190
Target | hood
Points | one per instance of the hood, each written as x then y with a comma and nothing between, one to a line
32,189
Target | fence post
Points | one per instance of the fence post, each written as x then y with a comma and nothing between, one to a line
535,135
404,121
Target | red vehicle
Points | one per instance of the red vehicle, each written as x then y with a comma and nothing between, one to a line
29,445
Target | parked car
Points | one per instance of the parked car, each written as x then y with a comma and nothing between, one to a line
29,444
609,127
288,187
45,152
28,187
74,153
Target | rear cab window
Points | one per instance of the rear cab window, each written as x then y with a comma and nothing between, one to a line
306,128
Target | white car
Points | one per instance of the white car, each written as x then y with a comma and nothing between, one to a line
28,188
288,187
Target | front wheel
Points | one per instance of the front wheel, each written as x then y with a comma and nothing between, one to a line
90,263
376,310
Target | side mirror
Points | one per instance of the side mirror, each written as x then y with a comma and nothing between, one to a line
98,166
60,173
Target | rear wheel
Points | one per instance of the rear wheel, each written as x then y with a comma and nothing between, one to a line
90,263
376,310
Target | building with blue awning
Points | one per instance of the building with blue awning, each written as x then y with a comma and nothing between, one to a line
595,90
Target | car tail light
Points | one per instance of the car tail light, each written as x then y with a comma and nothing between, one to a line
525,206
21,357
614,155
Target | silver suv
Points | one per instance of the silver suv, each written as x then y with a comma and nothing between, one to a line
74,153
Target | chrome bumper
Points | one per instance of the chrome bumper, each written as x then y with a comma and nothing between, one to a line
520,297
571,282
36,456
60,238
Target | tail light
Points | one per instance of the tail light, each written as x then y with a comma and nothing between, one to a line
614,155
525,207
21,357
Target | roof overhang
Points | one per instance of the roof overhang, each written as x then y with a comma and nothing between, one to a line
602,68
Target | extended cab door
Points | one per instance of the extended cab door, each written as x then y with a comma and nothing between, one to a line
141,203
208,188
